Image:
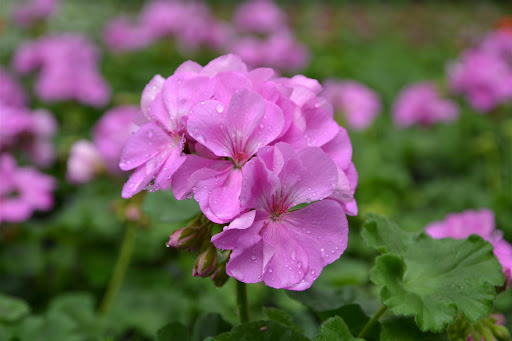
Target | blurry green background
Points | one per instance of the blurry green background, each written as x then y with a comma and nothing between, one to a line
60,262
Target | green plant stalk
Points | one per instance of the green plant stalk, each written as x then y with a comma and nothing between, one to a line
241,301
122,264
378,314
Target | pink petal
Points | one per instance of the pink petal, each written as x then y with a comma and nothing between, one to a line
181,184
188,66
258,182
149,93
225,199
229,62
340,149
246,263
145,144
227,239
320,125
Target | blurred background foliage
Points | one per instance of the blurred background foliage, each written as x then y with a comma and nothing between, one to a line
60,262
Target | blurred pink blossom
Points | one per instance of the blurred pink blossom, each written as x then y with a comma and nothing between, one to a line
480,222
498,42
29,131
359,104
421,104
11,92
69,69
23,190
259,16
122,35
484,78
84,162
29,12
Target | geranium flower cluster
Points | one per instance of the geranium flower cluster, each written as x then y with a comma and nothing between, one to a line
358,104
23,129
68,69
250,147
483,74
110,134
479,222
33,11
191,23
264,38
258,32
421,104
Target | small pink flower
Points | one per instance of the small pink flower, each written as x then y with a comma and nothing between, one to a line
481,222
499,43
359,104
234,132
83,163
285,249
30,131
483,77
112,132
69,69
30,12
259,16
122,35
11,92
22,191
420,104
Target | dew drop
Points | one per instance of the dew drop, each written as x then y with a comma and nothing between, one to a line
313,271
270,270
299,264
253,257
293,255
322,250
219,108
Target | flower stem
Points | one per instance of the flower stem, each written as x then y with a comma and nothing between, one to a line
378,314
241,301
123,261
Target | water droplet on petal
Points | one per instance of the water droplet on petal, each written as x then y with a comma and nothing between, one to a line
313,271
299,264
253,257
293,255
219,107
270,270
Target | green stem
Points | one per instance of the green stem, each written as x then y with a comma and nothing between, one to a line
123,261
241,301
378,314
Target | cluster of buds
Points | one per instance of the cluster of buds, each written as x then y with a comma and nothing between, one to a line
487,329
196,236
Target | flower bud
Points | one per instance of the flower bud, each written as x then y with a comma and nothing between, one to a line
185,238
206,262
219,276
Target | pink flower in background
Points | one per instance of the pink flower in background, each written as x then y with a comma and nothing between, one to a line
357,103
285,249
112,132
69,69
484,78
83,163
22,191
29,12
259,16
280,50
11,92
498,42
29,131
480,222
122,35
421,104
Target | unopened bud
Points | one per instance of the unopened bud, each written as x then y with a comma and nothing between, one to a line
501,332
206,262
219,276
185,238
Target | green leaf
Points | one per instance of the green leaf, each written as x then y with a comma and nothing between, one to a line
12,308
335,329
261,331
173,331
355,318
210,325
404,329
433,279
324,299
280,316
384,235
162,206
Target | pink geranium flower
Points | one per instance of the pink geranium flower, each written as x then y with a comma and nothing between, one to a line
259,16
69,69
484,78
30,12
22,191
421,104
154,151
285,249
356,102
234,132
480,222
